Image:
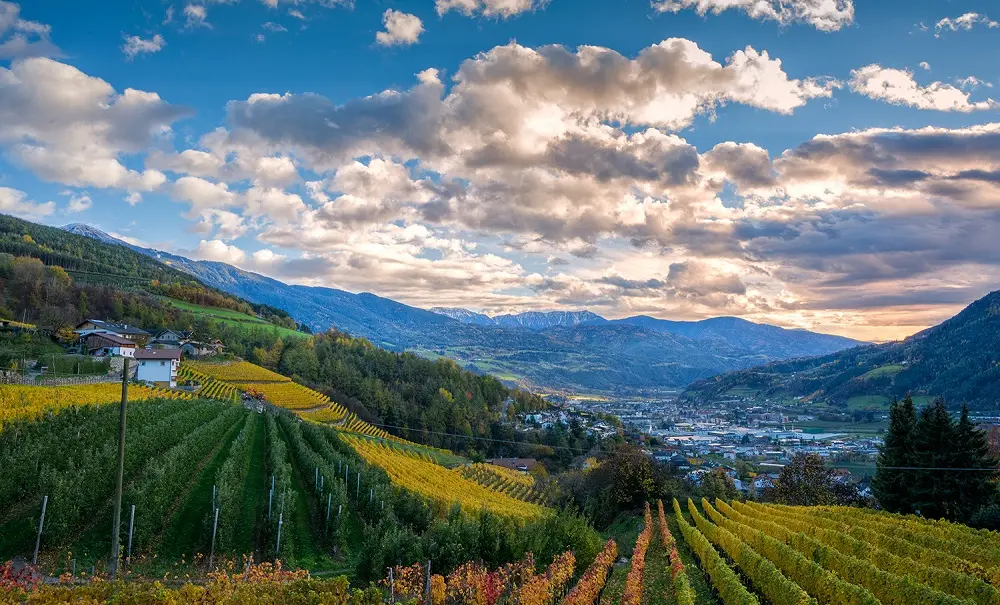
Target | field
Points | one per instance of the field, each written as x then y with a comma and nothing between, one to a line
234,318
277,389
181,458
30,402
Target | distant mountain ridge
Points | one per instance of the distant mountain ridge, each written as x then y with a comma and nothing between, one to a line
529,320
958,359
574,350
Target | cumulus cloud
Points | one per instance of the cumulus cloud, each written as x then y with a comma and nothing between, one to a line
72,128
489,8
78,202
400,29
21,38
965,22
196,15
134,46
825,15
17,203
899,87
925,66
217,250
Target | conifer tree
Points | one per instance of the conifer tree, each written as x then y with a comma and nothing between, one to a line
891,484
933,490
974,489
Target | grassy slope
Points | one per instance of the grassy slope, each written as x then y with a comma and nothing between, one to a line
625,530
234,318
657,585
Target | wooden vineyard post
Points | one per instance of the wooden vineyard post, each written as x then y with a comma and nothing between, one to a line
427,582
392,587
329,501
41,523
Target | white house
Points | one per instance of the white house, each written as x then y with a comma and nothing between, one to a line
158,366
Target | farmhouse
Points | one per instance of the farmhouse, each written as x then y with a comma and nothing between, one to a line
158,366
103,344
97,326
168,339
193,348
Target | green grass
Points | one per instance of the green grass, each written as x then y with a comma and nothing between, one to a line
625,530
868,402
234,318
889,370
657,584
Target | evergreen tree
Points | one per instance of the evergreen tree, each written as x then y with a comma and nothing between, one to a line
933,492
975,489
892,485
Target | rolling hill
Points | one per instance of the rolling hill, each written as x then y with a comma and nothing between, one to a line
575,350
958,360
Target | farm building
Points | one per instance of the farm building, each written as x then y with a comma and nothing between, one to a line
97,326
101,344
158,366
168,339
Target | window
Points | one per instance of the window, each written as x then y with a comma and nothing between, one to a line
163,363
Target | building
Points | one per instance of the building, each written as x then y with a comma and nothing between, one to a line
97,326
158,366
192,348
102,344
515,464
168,339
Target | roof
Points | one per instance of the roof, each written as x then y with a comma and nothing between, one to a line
514,463
114,327
112,338
158,354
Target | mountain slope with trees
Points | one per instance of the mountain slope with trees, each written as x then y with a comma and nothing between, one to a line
958,359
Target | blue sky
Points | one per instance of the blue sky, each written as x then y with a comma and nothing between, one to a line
620,172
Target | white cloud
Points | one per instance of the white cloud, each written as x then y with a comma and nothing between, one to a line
972,83
202,194
196,16
898,87
72,128
134,45
925,65
297,14
964,22
133,198
266,257
271,26
489,8
825,15
400,28
21,38
217,250
17,203
79,202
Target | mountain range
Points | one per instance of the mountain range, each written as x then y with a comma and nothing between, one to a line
573,350
958,359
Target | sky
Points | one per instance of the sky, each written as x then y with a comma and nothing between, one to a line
823,164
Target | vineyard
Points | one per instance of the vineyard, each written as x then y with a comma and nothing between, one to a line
20,402
277,389
184,459
418,473
513,483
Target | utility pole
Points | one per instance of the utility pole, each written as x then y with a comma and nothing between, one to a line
113,563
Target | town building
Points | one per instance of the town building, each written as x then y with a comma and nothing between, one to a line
158,366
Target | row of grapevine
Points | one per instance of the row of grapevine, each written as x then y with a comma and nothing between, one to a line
763,574
961,548
513,483
210,387
277,389
167,475
236,372
32,402
592,582
683,593
86,483
887,588
437,483
544,589
633,582
724,579
230,484
278,489
826,586
898,556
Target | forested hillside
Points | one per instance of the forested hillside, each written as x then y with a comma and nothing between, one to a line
958,360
